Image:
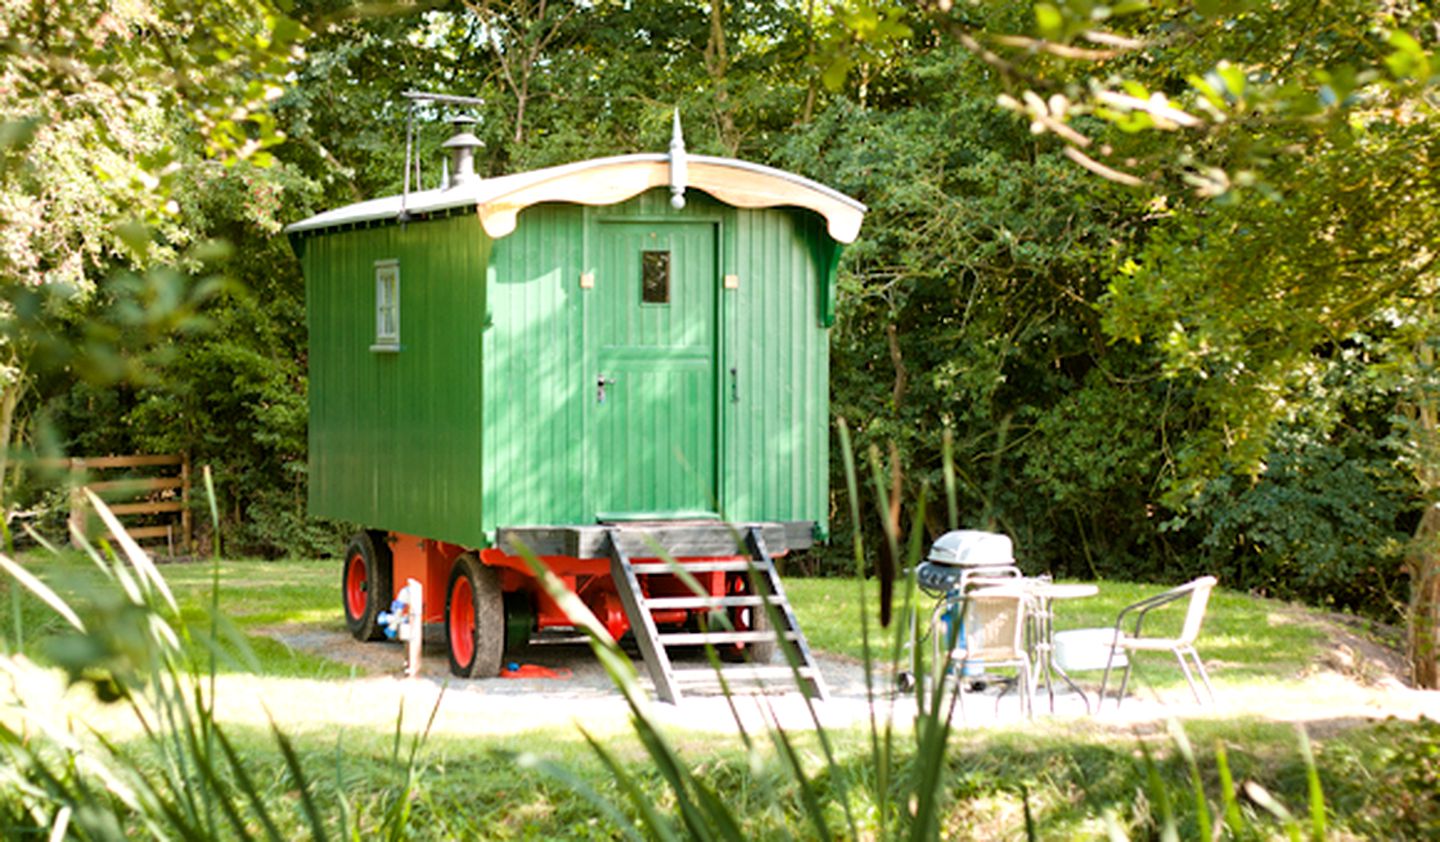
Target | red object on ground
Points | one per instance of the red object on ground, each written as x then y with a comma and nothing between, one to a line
532,671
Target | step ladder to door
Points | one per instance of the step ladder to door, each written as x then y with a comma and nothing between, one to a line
670,681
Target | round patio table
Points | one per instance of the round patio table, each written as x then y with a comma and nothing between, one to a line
1045,593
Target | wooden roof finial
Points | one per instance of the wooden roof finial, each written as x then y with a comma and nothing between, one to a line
678,169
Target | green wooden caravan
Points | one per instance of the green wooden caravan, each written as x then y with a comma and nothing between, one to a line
600,363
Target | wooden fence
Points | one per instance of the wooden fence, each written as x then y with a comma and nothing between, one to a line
151,495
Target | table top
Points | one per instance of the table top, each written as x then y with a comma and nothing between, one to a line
1017,589
1061,590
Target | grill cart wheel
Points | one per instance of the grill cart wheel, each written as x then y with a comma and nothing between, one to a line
747,618
474,619
365,584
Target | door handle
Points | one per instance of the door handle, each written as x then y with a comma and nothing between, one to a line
601,382
734,384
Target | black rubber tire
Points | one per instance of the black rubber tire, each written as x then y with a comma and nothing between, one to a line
747,618
487,631
370,551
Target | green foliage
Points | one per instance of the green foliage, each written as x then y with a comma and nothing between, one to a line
969,306
231,390
1290,160
122,641
1323,524
1271,280
141,170
984,297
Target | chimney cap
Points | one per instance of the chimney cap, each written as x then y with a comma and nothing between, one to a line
464,140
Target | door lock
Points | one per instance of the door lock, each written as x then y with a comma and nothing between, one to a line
600,383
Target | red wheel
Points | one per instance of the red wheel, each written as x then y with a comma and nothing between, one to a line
747,618
365,588
474,619
356,585
462,620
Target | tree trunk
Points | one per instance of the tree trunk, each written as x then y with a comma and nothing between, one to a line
717,64
522,93
892,338
812,88
1423,617
527,30
1423,560
9,400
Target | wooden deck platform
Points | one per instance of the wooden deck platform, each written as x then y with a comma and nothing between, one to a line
679,538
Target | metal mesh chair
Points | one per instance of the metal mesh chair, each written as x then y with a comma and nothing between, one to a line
993,619
1182,645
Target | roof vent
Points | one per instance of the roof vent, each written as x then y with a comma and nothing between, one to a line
463,146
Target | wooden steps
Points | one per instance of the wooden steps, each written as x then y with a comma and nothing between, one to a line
765,592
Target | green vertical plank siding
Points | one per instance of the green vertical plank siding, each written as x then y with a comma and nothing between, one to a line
778,433
534,372
395,436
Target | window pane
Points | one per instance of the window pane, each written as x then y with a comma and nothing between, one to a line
387,302
655,277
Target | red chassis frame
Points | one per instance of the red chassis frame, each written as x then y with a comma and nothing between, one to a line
429,562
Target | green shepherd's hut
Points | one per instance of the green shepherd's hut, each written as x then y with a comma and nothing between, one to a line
586,362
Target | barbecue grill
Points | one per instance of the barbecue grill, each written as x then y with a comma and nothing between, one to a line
958,555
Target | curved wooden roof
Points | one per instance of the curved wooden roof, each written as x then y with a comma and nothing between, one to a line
607,181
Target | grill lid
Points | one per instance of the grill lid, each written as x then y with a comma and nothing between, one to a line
973,548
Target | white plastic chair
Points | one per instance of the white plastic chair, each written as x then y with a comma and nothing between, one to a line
1182,645
994,619
970,578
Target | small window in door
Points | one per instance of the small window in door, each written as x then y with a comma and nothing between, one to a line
655,277
387,304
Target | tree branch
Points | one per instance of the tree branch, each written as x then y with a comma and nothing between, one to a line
1100,169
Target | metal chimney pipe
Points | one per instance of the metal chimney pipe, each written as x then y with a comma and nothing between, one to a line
462,147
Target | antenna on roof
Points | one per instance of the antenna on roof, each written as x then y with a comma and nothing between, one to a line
412,160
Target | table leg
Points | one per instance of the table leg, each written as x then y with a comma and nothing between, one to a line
1042,650
1045,656
1073,686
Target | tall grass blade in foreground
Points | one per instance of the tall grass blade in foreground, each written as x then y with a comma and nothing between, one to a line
182,776
1202,805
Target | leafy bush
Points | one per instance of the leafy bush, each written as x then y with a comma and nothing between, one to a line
1320,525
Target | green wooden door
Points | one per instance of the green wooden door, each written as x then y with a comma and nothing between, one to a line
651,326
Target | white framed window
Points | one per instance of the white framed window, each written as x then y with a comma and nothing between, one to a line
387,305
